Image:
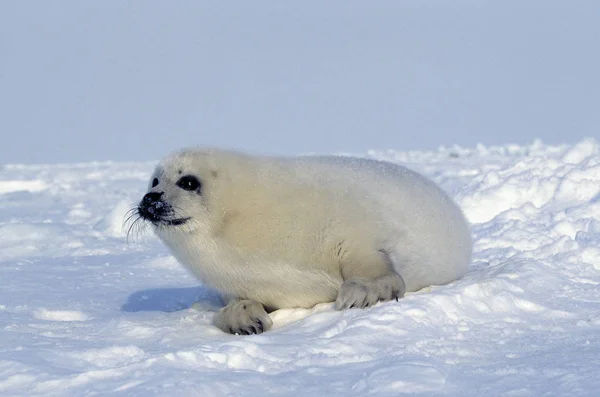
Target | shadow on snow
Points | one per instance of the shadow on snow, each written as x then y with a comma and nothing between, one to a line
170,299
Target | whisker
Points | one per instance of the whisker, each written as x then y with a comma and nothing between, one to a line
189,224
128,219
126,222
140,226
137,227
181,213
177,209
132,227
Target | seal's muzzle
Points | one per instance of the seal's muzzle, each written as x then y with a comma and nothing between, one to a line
152,208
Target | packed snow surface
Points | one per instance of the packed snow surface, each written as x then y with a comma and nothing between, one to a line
85,311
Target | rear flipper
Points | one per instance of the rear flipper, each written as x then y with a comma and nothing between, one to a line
363,292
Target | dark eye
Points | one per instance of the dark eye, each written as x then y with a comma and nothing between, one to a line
189,183
154,182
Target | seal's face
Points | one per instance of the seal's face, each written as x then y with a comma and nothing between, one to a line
176,200
160,212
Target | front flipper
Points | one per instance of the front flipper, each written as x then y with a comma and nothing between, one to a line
243,317
362,292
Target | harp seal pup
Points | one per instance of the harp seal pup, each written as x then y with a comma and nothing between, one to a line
285,232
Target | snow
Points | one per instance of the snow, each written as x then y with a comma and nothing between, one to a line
84,311
59,315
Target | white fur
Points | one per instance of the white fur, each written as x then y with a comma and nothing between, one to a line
287,232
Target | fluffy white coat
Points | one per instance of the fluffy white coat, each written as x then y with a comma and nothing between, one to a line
287,232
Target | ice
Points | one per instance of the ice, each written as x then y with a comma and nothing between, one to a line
84,311
8,186
59,315
114,223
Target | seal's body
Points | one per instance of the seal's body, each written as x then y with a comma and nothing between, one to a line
293,232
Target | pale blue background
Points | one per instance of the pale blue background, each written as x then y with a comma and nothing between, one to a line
131,80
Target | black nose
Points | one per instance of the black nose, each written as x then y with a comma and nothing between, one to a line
151,198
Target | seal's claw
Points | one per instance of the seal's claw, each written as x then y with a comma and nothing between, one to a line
363,293
243,317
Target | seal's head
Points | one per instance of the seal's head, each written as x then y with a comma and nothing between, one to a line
179,193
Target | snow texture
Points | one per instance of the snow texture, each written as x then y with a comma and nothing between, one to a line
85,312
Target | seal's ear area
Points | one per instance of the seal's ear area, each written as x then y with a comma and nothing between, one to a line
190,183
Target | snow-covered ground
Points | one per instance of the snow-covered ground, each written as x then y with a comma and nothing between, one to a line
85,312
